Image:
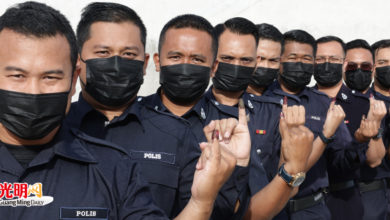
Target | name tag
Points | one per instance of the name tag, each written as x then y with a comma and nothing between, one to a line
83,213
317,118
149,155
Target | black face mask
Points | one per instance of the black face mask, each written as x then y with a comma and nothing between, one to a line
113,81
358,80
232,78
297,75
32,116
328,74
263,77
383,76
184,83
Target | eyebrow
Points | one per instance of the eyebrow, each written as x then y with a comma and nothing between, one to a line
384,60
54,72
100,46
132,48
199,56
170,53
107,47
13,68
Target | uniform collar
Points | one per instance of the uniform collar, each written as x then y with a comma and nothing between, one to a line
275,89
154,102
265,99
379,95
82,108
64,145
231,110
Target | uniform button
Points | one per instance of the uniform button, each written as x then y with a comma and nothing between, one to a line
156,107
139,99
216,103
353,91
258,151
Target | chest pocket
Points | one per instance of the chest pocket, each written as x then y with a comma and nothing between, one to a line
158,167
263,145
315,124
160,171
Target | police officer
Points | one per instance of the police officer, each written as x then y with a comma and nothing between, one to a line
343,200
112,61
323,118
184,59
358,71
269,50
48,171
381,87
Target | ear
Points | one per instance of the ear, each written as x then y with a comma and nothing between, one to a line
156,59
214,68
76,74
344,68
147,56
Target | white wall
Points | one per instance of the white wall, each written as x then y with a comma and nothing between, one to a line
344,18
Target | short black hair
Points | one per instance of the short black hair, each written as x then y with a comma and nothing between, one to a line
189,21
41,21
238,25
270,32
359,43
107,12
380,44
331,38
301,36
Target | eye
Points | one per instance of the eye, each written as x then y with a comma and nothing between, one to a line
198,60
246,60
129,54
51,77
226,58
174,57
17,76
102,53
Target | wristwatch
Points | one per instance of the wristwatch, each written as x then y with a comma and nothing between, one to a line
379,135
292,180
325,139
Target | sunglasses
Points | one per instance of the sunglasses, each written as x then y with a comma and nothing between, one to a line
355,66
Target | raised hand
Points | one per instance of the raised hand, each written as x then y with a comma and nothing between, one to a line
214,167
333,120
234,135
377,110
297,140
369,126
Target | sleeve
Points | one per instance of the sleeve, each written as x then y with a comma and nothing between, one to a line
345,154
133,194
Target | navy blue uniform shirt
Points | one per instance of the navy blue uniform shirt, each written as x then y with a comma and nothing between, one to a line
165,148
356,151
236,188
84,177
316,107
266,140
383,170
